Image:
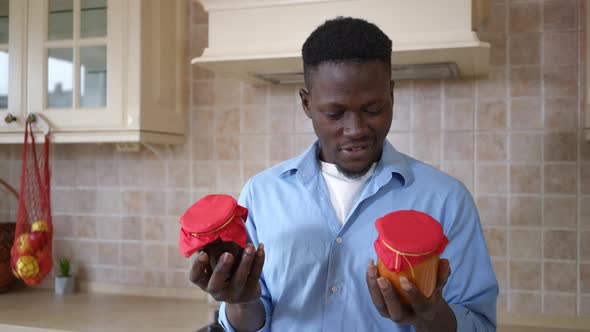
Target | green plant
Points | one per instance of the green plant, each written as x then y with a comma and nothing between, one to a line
64,267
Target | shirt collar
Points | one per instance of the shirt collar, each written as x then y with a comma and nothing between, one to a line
392,162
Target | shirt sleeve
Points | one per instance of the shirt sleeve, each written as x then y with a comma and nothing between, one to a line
245,201
472,288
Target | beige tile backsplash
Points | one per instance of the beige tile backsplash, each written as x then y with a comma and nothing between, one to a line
559,244
525,211
491,178
492,209
524,17
525,302
560,178
526,243
459,146
526,113
514,138
561,113
560,81
560,211
556,304
560,277
525,81
459,114
560,48
559,15
491,147
585,246
525,147
525,179
585,278
525,49
525,275
496,241
491,115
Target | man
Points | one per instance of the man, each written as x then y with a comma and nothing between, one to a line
315,214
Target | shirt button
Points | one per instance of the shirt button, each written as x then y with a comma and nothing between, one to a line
334,289
339,240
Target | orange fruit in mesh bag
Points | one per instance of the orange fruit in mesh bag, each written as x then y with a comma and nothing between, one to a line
40,226
27,267
23,246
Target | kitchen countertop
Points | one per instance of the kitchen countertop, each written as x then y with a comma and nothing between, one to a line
34,310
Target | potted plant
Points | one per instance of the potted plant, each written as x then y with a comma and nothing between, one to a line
64,282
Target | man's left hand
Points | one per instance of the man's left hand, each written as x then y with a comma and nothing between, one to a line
424,313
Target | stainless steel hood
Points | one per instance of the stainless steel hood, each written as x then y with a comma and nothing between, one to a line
260,40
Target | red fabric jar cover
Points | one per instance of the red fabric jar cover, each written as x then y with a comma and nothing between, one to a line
210,218
406,238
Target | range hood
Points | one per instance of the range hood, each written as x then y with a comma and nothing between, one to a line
260,40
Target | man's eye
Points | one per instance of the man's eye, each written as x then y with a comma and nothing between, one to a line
333,115
373,110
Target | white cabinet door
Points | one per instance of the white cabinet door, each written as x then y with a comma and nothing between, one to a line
13,18
96,70
75,52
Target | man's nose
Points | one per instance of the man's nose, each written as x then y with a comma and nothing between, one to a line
354,126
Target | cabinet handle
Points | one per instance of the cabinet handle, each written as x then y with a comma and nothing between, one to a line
9,118
32,118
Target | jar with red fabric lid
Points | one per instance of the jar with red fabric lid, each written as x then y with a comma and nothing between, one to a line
409,245
215,225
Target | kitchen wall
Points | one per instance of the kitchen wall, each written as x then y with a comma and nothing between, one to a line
514,138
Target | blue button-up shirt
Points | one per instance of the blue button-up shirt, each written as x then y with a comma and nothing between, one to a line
314,273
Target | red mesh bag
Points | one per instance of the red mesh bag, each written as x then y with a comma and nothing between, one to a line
31,252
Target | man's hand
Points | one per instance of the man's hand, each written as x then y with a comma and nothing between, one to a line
425,314
241,287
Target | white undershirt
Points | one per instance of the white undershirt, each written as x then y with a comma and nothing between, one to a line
344,192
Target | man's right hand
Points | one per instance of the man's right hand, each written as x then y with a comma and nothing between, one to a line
240,288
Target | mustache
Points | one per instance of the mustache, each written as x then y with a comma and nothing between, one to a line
356,144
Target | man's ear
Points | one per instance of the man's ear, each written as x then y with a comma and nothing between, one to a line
305,101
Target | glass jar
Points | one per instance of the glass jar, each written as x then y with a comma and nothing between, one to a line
215,225
409,245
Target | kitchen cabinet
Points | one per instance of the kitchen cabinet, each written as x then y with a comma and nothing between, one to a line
96,70
12,61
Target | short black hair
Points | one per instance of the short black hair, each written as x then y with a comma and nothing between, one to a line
345,39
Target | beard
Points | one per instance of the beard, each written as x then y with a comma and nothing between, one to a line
353,175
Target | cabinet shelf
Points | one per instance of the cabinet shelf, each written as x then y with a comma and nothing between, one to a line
71,10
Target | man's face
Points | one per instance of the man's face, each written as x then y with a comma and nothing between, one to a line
350,105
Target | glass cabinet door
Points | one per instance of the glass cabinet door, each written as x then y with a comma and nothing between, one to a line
12,59
72,55
76,54
4,38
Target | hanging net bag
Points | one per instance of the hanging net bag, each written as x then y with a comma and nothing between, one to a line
31,258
